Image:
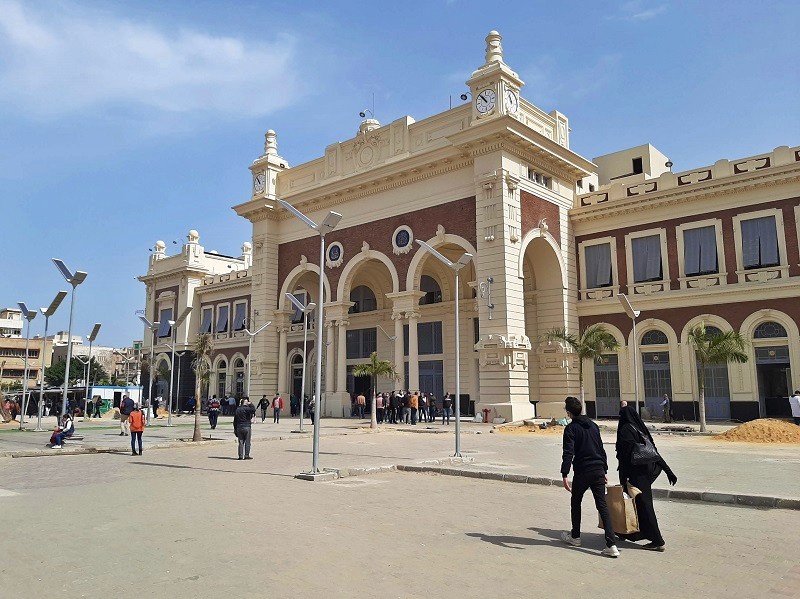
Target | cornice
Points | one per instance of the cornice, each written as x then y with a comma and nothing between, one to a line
698,191
320,200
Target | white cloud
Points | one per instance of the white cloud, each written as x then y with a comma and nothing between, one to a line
53,62
641,10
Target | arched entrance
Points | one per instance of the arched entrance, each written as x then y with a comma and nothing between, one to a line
551,374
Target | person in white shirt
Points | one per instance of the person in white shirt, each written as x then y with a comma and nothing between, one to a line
794,403
667,411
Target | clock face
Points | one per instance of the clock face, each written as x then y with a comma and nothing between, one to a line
485,101
512,103
258,182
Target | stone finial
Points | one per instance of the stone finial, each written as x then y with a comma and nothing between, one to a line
494,49
368,125
159,250
193,236
160,246
270,143
247,248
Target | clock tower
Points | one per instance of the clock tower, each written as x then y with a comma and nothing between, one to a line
265,169
494,86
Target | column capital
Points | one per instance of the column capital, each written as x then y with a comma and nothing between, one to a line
342,322
404,301
412,314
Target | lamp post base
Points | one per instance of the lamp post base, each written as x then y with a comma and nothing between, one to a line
324,476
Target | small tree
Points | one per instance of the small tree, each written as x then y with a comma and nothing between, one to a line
375,368
202,371
711,347
589,344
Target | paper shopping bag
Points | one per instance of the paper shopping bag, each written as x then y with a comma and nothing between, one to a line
622,510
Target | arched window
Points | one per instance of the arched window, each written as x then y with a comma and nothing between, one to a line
712,331
769,330
654,337
221,378
431,289
363,300
238,368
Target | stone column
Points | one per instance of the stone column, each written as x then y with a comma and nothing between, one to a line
398,348
341,366
330,356
282,330
413,348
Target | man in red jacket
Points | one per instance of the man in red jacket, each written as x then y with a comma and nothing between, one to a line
277,406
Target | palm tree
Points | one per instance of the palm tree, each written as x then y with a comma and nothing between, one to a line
589,344
201,365
711,347
375,368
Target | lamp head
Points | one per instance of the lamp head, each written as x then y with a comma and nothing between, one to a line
62,268
437,254
50,310
295,302
95,331
28,314
465,259
147,323
184,315
329,223
626,305
310,307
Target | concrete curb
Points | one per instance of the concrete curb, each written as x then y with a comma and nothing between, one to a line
746,500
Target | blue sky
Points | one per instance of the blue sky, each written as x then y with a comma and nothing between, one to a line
123,122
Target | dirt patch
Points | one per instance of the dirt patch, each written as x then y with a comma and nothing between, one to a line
763,430
524,430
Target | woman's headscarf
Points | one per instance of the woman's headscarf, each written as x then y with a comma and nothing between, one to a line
628,415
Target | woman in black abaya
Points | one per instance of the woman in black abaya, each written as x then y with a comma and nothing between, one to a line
632,430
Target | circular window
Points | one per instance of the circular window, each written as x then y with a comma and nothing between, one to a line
335,255
402,238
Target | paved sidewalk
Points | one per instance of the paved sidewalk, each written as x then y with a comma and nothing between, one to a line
198,523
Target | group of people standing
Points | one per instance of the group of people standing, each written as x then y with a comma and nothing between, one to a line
405,407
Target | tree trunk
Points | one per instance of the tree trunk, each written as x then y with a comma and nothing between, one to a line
198,391
702,403
373,420
580,382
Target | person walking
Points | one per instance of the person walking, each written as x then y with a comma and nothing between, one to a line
583,452
361,403
242,420
137,422
232,405
125,409
666,404
213,412
155,405
277,406
794,404
263,405
98,403
447,408
631,431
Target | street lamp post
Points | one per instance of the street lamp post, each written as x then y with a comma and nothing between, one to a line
456,266
92,337
250,349
73,279
326,226
306,309
633,315
48,312
178,383
29,315
152,327
174,325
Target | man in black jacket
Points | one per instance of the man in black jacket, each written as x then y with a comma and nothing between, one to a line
583,451
241,427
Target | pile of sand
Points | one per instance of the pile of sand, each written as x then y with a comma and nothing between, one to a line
525,429
764,430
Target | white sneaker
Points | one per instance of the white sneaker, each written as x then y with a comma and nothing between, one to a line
569,540
56,447
610,551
